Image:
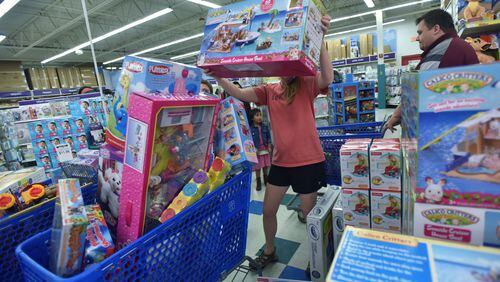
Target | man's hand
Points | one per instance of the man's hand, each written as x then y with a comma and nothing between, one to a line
325,23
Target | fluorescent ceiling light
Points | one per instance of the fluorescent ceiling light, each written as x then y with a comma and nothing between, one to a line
362,28
2,37
109,34
369,3
185,55
205,3
385,9
157,47
6,5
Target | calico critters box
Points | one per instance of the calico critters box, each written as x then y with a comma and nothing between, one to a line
263,38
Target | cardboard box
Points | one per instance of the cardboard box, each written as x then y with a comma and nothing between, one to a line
354,166
44,78
17,180
35,78
320,231
169,142
236,143
453,114
386,210
356,207
64,78
69,229
98,243
88,76
370,44
394,257
363,40
338,222
262,39
385,166
53,78
459,224
147,75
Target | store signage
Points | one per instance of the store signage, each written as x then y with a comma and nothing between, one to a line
69,90
15,94
361,60
338,63
458,82
358,60
38,93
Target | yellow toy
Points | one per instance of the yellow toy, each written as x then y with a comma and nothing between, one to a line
218,173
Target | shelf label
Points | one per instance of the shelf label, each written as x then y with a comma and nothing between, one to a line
15,94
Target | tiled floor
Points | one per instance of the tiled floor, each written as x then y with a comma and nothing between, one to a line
291,245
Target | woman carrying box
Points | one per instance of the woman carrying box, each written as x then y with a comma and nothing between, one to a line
298,158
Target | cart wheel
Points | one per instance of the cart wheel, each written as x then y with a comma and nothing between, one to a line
301,217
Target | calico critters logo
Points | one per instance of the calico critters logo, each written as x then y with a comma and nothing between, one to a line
458,82
134,67
450,217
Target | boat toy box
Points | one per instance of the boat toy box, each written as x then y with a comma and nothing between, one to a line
457,126
146,75
395,257
262,38
167,142
475,226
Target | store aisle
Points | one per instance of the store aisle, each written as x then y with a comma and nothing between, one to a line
291,241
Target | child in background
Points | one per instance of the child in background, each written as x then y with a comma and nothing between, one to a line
262,141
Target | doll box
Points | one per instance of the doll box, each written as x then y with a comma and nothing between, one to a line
386,210
396,257
110,184
356,207
455,115
459,224
257,38
98,244
146,75
168,142
354,165
320,231
385,166
237,142
68,229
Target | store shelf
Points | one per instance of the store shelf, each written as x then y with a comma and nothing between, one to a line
28,161
368,112
480,27
40,119
322,116
366,99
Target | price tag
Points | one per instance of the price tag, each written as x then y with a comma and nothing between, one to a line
64,153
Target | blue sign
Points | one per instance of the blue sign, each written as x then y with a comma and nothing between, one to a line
7,95
49,92
358,60
69,90
338,63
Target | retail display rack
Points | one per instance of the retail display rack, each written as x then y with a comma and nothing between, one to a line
353,102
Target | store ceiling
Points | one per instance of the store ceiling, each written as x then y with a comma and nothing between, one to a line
39,29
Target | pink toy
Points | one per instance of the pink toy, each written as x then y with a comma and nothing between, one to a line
167,141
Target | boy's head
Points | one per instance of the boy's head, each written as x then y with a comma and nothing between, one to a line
42,144
79,122
39,128
56,141
66,124
85,104
52,126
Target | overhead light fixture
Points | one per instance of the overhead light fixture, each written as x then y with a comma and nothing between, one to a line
363,28
157,47
369,3
205,3
384,9
185,55
109,34
79,52
2,37
6,5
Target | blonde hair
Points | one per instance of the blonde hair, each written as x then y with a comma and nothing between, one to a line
291,89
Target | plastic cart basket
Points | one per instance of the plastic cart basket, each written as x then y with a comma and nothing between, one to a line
14,230
333,137
203,243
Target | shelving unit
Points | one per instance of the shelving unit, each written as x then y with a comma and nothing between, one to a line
353,102
478,28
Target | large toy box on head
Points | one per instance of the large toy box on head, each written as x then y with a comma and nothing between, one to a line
262,38
151,76
167,141
235,143
452,117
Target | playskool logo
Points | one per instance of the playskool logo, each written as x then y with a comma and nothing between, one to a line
450,217
458,82
159,70
134,67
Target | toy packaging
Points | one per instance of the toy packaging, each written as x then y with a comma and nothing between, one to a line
236,145
36,130
149,76
356,206
98,244
256,38
386,211
65,126
79,125
68,230
168,142
218,173
460,224
196,188
320,231
338,222
51,128
395,257
477,10
110,184
354,165
17,182
385,166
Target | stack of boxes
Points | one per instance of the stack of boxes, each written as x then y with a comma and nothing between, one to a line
371,182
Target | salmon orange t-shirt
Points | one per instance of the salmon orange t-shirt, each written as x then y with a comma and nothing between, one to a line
296,140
